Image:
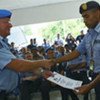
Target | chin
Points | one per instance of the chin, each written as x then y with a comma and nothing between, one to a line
8,33
89,26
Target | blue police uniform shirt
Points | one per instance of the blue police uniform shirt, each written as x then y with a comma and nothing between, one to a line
46,46
8,78
92,41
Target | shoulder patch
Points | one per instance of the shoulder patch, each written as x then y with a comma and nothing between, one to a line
1,46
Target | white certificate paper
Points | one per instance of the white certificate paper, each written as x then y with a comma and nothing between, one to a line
64,82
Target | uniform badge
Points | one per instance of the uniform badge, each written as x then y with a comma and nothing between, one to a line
84,6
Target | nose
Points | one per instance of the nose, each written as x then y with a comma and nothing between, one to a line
10,25
84,20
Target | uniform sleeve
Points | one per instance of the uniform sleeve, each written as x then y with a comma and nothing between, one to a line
5,57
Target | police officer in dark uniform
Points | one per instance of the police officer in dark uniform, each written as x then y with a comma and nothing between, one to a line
90,45
9,64
80,37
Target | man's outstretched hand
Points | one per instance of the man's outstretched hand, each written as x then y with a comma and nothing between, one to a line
47,73
83,89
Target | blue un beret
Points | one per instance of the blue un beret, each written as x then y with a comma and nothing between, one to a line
89,6
5,13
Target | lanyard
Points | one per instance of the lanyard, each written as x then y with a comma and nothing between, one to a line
94,37
92,44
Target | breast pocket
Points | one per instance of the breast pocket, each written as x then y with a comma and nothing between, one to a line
96,49
88,46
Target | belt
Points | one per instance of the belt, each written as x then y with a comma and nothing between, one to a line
82,71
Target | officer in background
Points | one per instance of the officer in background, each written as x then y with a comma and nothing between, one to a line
90,45
9,64
80,37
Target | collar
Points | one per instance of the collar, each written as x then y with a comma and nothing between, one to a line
97,28
1,37
4,39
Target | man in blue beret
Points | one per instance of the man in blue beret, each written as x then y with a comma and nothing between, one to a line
9,64
90,45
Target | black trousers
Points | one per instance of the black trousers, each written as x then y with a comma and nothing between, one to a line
45,89
28,87
82,76
3,95
65,93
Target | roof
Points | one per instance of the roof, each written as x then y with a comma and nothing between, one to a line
38,11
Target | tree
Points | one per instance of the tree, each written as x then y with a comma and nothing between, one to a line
63,27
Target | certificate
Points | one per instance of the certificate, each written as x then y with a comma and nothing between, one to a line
64,81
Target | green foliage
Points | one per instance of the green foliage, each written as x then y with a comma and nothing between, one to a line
63,27
27,30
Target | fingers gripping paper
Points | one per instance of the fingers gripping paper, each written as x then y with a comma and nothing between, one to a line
64,82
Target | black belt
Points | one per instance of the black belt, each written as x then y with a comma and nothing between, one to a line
78,72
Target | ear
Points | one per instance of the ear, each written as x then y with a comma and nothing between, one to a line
98,14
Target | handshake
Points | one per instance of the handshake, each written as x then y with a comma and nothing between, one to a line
47,64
